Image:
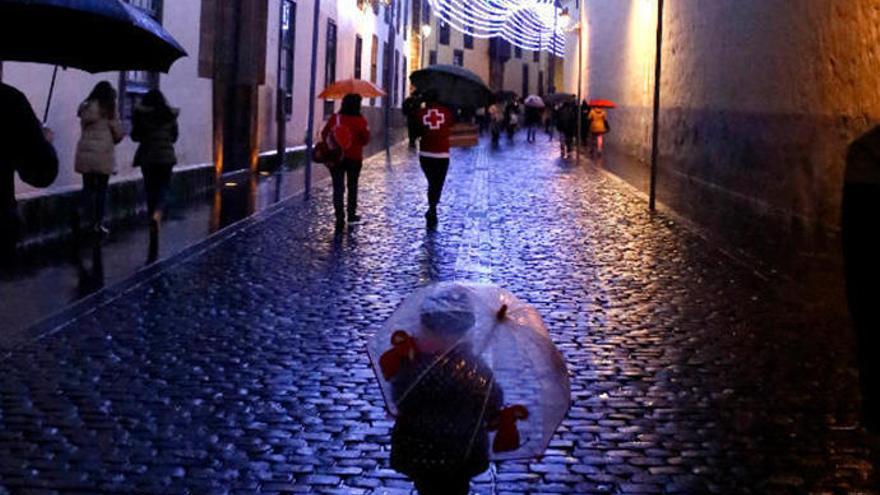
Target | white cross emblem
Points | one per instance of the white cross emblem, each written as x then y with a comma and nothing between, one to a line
434,119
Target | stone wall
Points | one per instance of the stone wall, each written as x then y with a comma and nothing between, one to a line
759,98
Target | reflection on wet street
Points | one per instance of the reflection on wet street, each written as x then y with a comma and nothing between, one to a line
87,264
241,365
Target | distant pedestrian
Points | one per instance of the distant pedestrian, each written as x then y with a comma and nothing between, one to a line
154,126
861,250
566,123
599,126
435,126
511,119
496,121
533,121
411,106
95,152
584,123
24,147
351,132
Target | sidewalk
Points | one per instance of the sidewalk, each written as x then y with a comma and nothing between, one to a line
241,368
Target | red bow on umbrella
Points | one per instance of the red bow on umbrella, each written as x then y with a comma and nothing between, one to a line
403,349
507,439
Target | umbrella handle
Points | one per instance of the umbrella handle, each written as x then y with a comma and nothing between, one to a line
51,92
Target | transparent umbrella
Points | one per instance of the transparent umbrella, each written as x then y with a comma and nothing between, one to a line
484,355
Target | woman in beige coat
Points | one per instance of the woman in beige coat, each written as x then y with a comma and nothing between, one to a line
95,151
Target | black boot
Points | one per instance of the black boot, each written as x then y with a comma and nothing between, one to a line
431,218
153,250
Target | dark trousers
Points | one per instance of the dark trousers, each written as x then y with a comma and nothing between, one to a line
861,250
9,232
435,170
444,485
94,197
532,133
348,173
157,183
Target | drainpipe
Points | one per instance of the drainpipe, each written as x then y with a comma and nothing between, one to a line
580,41
389,79
310,133
280,113
655,138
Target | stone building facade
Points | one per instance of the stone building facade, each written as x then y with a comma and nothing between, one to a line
759,98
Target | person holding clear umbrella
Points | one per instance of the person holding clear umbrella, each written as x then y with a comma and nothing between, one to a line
472,376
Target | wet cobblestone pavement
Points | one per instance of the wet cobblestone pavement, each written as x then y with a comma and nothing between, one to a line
241,369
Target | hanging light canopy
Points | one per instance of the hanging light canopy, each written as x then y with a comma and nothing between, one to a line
528,24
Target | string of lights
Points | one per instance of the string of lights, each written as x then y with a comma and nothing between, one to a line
528,24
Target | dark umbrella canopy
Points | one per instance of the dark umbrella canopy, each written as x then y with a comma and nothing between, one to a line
555,98
455,86
93,35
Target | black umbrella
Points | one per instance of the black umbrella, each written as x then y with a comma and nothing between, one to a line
92,35
555,98
455,86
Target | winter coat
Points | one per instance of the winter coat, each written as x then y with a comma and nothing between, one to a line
442,423
23,147
156,132
533,115
566,119
598,121
95,151
359,130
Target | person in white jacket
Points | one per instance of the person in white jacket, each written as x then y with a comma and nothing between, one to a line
96,151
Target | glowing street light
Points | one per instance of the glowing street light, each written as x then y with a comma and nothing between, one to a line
564,19
426,30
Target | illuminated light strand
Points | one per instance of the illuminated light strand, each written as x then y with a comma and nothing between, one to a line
528,24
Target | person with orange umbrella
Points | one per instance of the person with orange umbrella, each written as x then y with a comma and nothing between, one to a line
349,132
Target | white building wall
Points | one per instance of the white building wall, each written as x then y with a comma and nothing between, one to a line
182,87
193,95
350,21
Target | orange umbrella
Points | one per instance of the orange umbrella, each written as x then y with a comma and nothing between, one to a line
339,89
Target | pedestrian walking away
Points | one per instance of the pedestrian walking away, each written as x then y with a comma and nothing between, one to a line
154,126
24,147
348,130
496,122
435,126
461,391
511,119
566,123
861,250
95,158
533,120
599,126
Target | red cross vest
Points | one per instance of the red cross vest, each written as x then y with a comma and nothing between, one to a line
436,123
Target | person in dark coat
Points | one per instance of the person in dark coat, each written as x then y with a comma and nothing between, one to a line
154,126
25,147
411,106
861,250
446,399
350,130
566,123
533,120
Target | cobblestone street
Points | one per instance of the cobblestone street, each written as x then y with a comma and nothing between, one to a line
241,367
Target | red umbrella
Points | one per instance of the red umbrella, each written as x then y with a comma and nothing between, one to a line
603,104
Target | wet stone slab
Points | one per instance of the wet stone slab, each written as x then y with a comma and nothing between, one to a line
243,370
